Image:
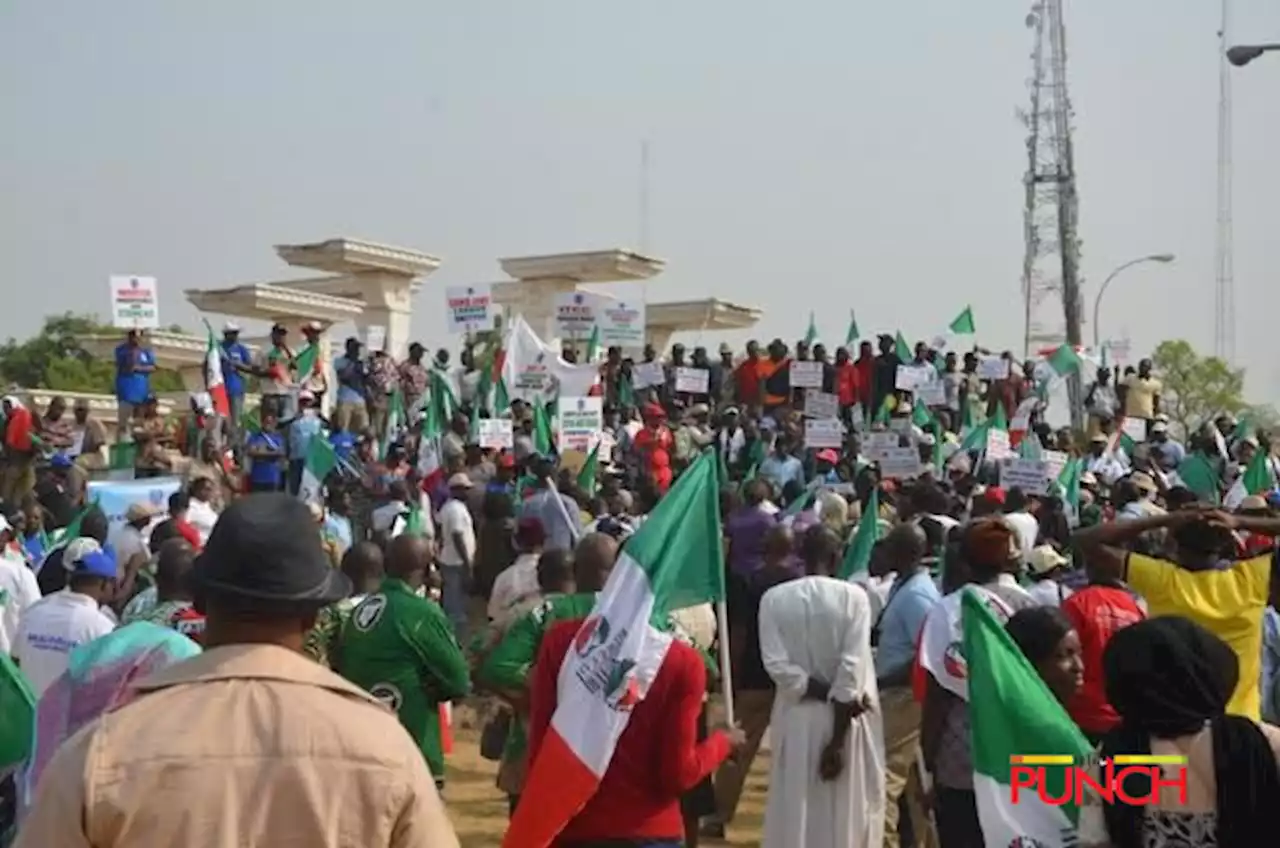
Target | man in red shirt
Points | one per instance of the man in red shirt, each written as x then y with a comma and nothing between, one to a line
178,505
846,381
746,378
1097,612
657,757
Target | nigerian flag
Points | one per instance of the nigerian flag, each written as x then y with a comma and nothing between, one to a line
320,461
672,562
1012,713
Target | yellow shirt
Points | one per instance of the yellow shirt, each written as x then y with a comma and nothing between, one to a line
1227,602
1140,399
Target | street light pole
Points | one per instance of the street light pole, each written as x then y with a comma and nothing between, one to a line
1163,258
1243,54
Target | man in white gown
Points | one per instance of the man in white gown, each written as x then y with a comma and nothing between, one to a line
826,785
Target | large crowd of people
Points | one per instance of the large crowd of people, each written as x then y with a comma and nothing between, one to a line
267,664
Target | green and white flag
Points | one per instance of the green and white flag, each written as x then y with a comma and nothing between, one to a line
857,557
1255,480
319,462
963,323
811,332
1012,713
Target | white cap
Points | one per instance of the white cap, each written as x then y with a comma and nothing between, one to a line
231,327
1044,559
460,481
76,549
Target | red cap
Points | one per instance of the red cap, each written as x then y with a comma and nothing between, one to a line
829,455
995,494
653,410
506,460
529,533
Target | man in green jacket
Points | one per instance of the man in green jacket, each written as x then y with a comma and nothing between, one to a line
506,668
401,648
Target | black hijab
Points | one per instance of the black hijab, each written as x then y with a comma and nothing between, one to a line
1169,677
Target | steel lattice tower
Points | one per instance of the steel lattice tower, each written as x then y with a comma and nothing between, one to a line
1224,300
1050,275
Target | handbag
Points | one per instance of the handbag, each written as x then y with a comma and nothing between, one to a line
493,739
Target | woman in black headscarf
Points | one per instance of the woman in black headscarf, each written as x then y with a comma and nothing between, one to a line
1170,680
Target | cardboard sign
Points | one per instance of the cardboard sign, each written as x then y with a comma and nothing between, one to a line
932,393
375,338
998,446
496,434
576,314
134,303
621,318
1029,475
646,374
911,376
993,368
900,463
580,421
1136,429
821,404
469,308
875,446
823,433
692,380
1054,461
806,375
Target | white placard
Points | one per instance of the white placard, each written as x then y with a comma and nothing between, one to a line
875,446
375,338
1054,461
621,317
646,374
134,303
496,434
1136,429
692,380
1029,475
823,433
580,421
806,375
900,463
932,393
993,368
576,314
903,426
821,404
469,308
911,376
998,446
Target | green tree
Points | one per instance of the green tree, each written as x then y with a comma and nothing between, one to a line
1196,388
54,359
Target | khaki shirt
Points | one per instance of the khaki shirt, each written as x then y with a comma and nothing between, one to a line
192,760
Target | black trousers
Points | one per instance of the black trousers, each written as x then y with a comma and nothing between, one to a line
956,813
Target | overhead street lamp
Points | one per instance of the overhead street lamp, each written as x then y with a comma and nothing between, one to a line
1163,258
1243,54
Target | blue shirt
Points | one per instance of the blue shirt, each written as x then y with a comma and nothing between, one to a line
782,470
133,387
901,621
303,429
268,470
350,390
560,523
233,353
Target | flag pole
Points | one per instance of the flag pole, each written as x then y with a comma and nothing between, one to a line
726,670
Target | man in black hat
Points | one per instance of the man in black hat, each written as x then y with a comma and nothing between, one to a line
190,755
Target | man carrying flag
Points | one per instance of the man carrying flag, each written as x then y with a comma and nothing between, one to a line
596,678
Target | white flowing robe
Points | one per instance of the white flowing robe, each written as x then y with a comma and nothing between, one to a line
820,627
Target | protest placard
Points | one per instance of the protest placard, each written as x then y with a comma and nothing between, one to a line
900,463
821,404
621,317
875,446
646,374
932,393
580,421
468,308
806,375
911,376
496,434
134,303
576,314
998,446
692,380
1029,475
823,433
993,368
375,338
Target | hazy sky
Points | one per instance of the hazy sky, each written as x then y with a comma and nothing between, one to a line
818,154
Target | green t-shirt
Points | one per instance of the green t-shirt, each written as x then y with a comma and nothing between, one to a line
402,650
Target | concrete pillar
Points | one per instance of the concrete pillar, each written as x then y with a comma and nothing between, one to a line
388,302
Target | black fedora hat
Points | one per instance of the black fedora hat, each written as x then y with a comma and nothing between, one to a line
266,547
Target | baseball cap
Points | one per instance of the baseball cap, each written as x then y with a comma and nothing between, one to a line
97,563
460,481
231,327
77,549
828,455
265,548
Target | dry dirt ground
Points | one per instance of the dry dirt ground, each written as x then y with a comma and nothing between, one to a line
479,811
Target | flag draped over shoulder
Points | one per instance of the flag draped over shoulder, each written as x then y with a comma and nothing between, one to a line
1013,713
675,560
941,641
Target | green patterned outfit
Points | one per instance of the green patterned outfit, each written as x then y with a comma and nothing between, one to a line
402,650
